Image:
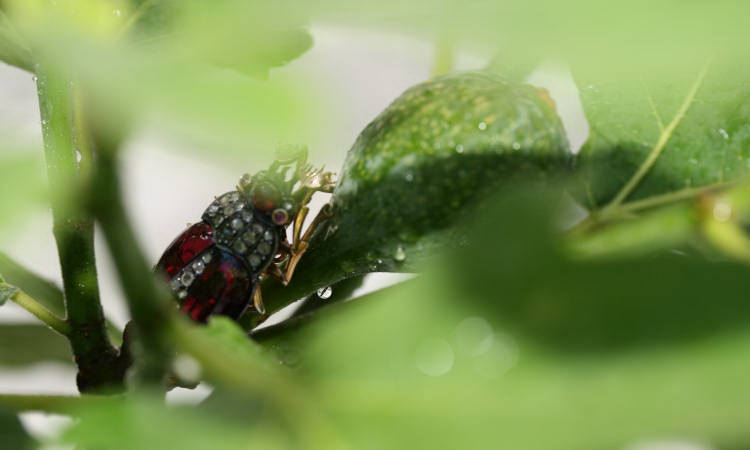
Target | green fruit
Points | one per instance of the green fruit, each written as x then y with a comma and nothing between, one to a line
424,163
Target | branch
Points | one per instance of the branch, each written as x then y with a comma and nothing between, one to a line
149,304
40,312
74,234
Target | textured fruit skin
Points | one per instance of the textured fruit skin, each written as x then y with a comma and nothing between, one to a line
214,266
425,163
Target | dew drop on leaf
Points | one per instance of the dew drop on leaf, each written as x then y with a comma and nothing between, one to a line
325,293
399,254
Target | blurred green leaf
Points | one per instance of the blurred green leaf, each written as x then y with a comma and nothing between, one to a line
25,344
43,291
234,362
13,50
12,433
23,187
138,423
508,333
630,113
421,167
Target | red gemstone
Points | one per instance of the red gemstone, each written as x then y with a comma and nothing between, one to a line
224,288
186,247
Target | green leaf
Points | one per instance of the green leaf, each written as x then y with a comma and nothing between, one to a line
23,186
225,33
13,50
13,434
44,291
421,167
138,423
25,344
690,116
509,332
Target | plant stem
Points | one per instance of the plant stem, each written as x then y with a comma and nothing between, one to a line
443,56
74,234
41,313
149,305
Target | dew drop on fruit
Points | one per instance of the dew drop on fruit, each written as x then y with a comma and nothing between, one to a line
325,293
399,255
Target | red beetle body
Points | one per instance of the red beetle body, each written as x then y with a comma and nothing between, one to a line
214,266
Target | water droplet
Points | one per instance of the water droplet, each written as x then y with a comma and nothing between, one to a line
723,133
722,211
289,357
399,255
474,336
434,357
325,293
482,126
459,149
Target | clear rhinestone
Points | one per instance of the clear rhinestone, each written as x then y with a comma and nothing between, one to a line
228,210
258,228
250,237
187,277
212,210
246,215
255,260
224,200
264,248
237,223
174,284
239,247
182,294
239,206
233,196
198,267
268,236
206,258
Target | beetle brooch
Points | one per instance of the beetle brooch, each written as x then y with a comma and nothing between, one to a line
215,266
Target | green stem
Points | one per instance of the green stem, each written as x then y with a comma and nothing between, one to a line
50,403
74,233
149,305
444,57
41,313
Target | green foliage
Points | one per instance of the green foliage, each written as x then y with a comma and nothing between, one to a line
27,344
629,115
12,432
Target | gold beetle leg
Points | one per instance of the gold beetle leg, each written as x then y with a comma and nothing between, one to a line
300,244
258,300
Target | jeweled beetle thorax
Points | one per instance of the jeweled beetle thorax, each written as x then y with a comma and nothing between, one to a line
215,266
